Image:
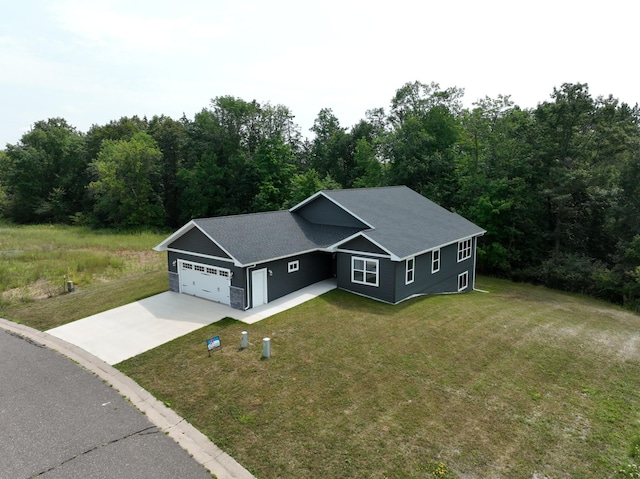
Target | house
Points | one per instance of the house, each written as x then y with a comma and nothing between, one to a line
387,243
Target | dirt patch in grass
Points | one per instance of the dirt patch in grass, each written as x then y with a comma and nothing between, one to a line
38,290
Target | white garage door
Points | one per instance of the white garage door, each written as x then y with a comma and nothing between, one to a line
204,281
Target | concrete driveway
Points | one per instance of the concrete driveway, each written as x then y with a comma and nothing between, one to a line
129,330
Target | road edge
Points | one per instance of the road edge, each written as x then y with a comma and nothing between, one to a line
205,452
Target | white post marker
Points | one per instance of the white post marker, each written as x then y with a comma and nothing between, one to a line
244,343
266,348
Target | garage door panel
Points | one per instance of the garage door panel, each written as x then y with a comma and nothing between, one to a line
205,281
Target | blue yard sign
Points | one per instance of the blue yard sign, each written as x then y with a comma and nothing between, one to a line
213,344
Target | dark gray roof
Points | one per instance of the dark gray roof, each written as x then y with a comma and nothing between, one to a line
259,237
405,222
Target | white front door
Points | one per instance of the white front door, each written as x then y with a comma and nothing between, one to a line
259,287
204,281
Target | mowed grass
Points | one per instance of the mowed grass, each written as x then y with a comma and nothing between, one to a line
522,382
108,269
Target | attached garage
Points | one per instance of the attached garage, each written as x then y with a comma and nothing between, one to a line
204,281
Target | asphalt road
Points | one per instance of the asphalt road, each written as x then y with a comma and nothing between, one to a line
58,420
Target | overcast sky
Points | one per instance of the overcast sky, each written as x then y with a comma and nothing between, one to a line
91,62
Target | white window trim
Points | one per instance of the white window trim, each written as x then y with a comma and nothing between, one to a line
435,262
464,249
366,260
293,266
463,281
412,270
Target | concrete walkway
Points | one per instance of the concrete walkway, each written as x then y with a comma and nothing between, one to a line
129,330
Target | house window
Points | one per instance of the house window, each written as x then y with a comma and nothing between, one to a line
411,266
463,281
435,261
364,271
293,266
464,250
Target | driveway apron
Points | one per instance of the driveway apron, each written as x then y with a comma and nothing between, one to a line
129,330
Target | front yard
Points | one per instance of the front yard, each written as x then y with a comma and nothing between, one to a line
522,382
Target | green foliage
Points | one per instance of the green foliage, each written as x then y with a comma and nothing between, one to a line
559,181
274,168
368,168
45,174
306,184
127,182
420,146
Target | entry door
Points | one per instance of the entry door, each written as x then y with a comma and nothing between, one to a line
259,287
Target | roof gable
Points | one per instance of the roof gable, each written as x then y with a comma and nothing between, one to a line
403,221
321,209
194,240
363,244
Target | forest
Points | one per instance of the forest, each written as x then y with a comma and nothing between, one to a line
557,187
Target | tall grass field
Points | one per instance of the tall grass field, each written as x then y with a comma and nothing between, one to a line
107,269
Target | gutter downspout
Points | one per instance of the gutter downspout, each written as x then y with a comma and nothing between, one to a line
249,285
475,259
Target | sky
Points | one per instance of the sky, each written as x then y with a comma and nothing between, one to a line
91,62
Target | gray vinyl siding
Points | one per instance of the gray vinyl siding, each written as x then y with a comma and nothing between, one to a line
322,211
196,241
385,291
313,267
422,277
444,281
362,244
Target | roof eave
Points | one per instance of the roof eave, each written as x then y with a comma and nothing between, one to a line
177,234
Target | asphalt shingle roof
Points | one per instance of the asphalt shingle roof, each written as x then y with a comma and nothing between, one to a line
405,222
258,237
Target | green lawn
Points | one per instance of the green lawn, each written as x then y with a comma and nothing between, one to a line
522,382
108,269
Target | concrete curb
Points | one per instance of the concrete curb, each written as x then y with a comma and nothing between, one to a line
188,437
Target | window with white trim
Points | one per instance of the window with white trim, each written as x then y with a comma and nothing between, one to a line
464,249
463,281
435,261
293,266
364,271
410,271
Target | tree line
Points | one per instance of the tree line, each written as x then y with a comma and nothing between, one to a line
557,187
